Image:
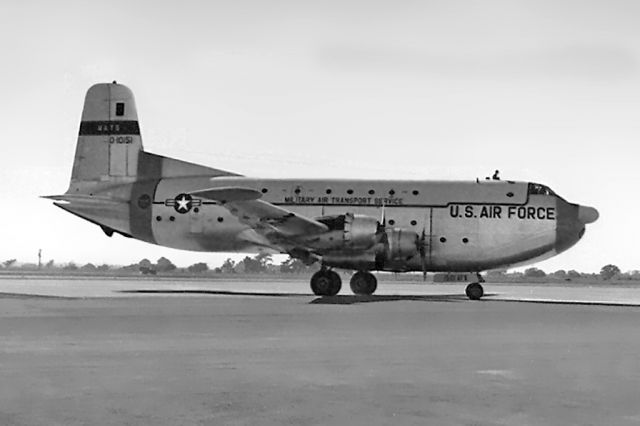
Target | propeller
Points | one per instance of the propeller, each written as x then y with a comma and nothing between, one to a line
382,224
422,249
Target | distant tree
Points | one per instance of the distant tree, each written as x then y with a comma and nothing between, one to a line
573,274
89,267
534,273
145,263
250,265
264,259
634,275
497,273
165,265
228,266
293,265
103,267
198,268
70,267
8,263
50,264
609,271
560,274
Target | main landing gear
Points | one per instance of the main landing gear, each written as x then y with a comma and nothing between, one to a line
363,283
326,282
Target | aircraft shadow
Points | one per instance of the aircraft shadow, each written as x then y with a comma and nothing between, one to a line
353,299
215,292
324,300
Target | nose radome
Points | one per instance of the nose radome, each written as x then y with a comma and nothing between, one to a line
587,214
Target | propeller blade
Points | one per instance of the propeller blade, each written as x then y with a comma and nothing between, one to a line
423,254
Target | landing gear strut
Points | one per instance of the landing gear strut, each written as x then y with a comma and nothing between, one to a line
326,283
363,283
474,291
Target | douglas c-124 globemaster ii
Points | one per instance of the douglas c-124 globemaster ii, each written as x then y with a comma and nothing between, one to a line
363,225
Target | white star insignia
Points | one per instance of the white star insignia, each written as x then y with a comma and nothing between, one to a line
183,203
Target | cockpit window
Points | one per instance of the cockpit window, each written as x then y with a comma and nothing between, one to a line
537,189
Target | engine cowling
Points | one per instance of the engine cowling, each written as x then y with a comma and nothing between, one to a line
348,232
390,247
401,244
360,232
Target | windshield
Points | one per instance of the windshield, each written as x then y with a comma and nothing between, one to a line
538,189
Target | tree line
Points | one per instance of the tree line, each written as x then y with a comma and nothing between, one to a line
260,263
263,263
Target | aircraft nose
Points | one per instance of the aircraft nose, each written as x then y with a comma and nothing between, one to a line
587,214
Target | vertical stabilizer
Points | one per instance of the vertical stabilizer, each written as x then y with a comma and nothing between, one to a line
109,138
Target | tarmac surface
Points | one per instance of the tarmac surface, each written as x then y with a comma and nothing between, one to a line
140,352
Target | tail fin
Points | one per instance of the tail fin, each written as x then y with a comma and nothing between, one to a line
109,149
111,169
109,138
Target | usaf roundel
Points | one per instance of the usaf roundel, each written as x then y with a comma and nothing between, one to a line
183,203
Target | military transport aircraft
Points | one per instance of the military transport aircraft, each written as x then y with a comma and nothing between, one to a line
362,225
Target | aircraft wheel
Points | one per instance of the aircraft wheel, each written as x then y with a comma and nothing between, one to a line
474,291
326,283
363,283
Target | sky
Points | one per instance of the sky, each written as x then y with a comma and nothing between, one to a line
544,91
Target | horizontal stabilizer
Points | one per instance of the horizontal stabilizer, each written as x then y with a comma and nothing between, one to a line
84,199
228,194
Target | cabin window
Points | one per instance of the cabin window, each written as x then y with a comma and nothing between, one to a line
509,194
172,218
392,192
328,191
392,222
414,223
349,191
371,192
465,240
443,240
415,192
120,109
297,191
220,219
158,218
265,190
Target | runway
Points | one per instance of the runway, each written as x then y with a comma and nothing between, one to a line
159,352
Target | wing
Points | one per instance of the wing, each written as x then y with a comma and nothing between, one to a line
281,227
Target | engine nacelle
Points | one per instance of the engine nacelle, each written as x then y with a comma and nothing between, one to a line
360,232
347,232
401,244
393,248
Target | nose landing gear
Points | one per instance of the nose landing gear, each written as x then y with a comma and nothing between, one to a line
474,291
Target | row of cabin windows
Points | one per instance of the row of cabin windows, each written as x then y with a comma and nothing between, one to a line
349,191
444,240
534,189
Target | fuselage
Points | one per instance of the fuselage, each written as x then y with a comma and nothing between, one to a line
468,225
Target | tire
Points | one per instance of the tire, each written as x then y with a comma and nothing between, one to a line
474,291
363,283
326,283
